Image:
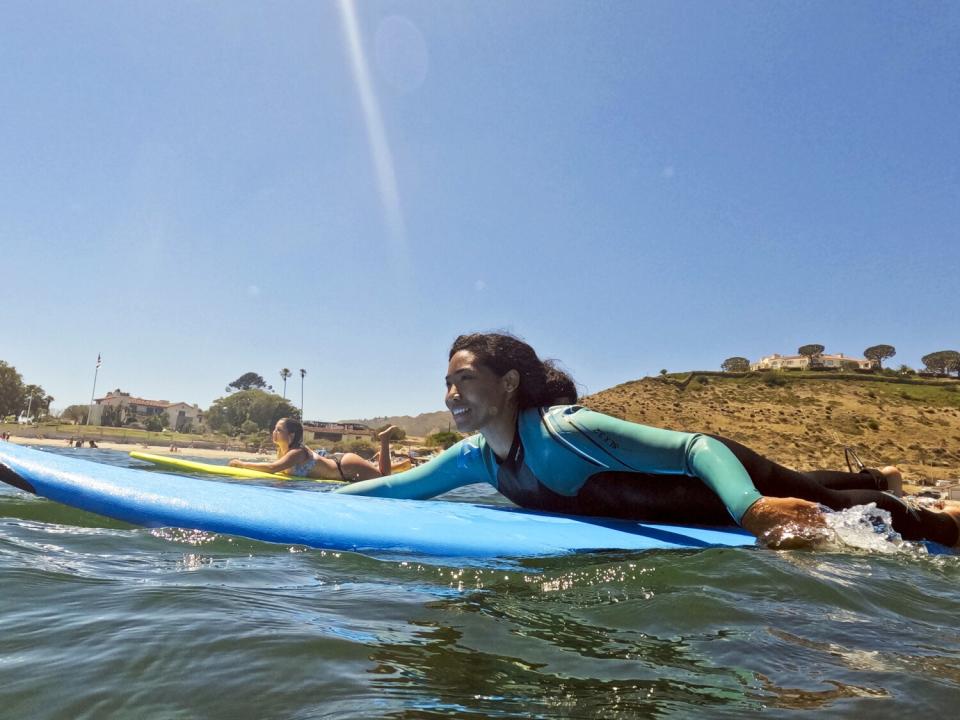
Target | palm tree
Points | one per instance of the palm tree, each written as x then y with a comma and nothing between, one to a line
302,374
285,373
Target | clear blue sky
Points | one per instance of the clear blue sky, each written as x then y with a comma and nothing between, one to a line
200,189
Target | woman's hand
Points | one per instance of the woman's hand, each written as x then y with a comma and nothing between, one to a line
785,523
235,463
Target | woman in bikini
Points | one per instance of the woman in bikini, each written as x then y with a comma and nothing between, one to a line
297,460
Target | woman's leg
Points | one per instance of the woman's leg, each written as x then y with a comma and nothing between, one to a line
866,479
888,479
778,481
383,457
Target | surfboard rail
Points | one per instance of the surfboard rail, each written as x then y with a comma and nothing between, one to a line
319,519
193,466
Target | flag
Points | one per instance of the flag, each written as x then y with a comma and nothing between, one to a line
98,360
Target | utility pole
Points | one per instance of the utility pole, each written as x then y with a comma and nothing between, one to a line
94,391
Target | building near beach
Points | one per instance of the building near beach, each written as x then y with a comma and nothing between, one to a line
335,432
802,362
131,408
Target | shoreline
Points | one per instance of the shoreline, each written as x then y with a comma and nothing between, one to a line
909,488
155,449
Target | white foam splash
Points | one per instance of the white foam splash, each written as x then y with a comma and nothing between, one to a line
867,527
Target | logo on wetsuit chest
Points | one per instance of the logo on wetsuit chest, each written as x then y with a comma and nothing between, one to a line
607,440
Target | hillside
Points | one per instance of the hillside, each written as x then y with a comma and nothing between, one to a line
804,420
415,426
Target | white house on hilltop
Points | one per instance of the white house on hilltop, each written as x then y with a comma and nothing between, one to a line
802,362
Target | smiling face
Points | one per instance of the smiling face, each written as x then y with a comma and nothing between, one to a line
478,398
280,434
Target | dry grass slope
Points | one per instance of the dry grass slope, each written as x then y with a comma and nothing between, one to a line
805,422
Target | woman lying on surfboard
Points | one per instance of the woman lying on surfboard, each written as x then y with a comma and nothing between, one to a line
545,453
296,459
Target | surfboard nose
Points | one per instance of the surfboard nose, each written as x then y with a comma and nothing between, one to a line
10,477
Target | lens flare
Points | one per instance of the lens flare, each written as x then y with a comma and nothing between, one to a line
373,119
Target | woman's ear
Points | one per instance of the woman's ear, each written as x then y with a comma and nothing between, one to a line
511,381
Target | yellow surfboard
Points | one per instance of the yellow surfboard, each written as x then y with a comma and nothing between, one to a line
176,464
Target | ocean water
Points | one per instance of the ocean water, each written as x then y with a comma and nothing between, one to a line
103,620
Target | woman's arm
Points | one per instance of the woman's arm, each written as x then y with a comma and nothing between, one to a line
785,523
291,458
716,465
461,464
776,522
621,445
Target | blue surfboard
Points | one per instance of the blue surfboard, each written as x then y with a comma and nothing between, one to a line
333,521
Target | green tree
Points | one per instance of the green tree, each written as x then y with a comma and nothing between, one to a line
111,416
735,364
360,447
442,439
247,381
398,432
813,352
285,374
953,363
942,362
36,401
258,406
76,414
12,396
154,423
879,353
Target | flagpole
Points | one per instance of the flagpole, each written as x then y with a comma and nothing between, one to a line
94,391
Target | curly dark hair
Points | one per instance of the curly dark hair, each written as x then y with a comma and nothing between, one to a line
295,429
542,383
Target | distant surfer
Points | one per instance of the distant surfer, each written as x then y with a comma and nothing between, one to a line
545,453
296,459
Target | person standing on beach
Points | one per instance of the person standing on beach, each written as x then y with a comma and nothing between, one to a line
545,454
297,460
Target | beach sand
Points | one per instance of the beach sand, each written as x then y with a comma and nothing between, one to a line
155,449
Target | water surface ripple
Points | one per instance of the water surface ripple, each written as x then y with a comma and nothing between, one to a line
105,620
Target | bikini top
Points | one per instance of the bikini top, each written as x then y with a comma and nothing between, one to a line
303,469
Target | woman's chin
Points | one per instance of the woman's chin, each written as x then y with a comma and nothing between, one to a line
464,424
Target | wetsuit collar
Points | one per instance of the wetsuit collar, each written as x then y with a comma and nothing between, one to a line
515,452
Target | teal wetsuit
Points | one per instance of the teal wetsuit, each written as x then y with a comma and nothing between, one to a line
573,460
567,459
